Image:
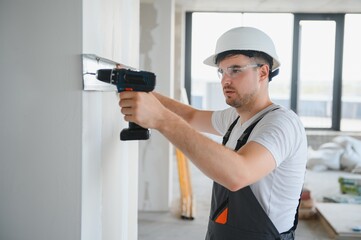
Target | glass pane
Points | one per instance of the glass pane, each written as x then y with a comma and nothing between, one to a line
206,87
317,48
351,78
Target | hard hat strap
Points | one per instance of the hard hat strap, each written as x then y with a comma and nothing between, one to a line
273,74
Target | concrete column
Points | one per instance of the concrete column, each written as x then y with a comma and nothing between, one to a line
157,55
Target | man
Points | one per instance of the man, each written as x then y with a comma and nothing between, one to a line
259,173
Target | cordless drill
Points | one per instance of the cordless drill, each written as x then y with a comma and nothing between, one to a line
129,80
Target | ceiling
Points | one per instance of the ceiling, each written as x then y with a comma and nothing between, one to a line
299,6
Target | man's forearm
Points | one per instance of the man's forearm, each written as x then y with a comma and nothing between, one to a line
183,110
216,161
198,119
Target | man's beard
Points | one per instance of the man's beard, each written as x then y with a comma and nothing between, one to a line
240,101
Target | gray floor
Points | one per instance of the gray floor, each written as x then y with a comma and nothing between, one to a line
168,225
162,226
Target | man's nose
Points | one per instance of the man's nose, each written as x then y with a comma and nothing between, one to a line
226,80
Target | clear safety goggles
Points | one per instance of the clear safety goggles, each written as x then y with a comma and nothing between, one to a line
234,71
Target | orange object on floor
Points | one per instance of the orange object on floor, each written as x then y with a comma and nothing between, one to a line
187,200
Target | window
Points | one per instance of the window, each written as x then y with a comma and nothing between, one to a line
316,70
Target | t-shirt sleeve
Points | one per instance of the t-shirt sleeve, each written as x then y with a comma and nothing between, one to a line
222,119
280,132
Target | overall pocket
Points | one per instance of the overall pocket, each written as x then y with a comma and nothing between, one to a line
220,202
221,214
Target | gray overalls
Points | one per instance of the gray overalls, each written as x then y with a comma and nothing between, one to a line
238,215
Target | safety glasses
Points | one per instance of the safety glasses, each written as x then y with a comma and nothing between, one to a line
234,71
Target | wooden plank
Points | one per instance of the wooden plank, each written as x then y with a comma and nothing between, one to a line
187,200
340,219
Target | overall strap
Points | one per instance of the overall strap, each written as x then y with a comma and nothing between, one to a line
244,137
228,133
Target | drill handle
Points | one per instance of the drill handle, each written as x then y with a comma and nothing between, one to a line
134,132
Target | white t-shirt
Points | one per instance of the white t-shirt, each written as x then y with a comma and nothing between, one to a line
283,134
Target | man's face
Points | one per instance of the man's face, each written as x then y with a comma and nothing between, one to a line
239,76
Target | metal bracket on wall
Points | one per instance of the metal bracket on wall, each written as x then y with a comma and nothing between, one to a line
91,63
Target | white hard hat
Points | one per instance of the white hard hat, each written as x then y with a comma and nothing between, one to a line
244,38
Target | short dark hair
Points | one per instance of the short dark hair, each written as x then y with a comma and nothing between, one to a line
249,53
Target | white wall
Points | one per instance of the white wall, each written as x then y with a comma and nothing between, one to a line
64,174
110,167
41,119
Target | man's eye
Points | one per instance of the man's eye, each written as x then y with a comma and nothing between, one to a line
235,70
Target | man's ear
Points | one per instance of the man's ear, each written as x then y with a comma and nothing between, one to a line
264,72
